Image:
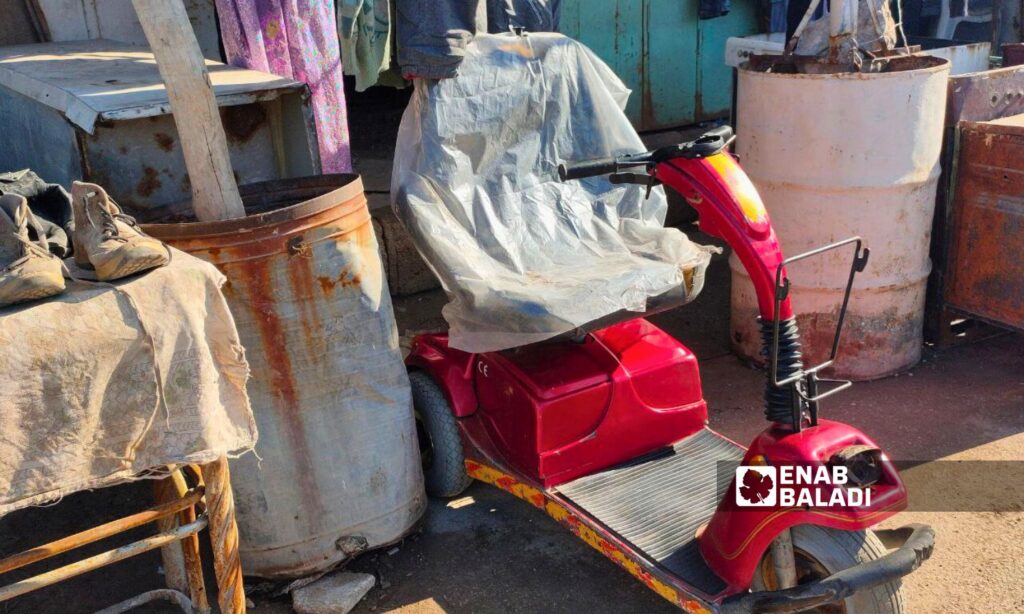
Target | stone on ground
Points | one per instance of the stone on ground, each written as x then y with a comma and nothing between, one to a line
333,594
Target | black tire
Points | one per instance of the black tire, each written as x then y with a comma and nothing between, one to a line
822,552
444,466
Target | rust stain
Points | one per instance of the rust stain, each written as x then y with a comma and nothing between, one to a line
888,338
149,183
345,279
300,278
647,115
274,342
164,141
326,284
242,121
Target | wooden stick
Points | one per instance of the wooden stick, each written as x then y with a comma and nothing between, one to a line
173,556
95,534
100,560
220,509
183,567
194,106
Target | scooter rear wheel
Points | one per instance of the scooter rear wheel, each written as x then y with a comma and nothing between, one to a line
444,468
821,552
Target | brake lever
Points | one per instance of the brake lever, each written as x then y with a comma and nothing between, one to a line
635,178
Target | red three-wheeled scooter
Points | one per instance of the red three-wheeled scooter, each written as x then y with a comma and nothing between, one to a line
606,431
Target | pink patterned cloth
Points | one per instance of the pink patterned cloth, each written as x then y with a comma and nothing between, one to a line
296,39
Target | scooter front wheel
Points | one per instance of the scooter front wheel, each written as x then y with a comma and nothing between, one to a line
820,552
444,468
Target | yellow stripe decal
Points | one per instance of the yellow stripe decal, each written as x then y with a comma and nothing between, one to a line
591,537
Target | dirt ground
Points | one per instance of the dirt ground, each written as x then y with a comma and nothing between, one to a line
488,552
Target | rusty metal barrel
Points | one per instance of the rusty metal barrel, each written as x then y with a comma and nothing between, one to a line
338,468
837,155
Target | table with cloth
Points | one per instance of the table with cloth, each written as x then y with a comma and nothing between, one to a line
113,382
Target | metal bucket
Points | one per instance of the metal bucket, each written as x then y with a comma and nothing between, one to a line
338,468
836,155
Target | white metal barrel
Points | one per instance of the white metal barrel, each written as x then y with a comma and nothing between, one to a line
836,155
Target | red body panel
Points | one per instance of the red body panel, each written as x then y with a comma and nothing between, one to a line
736,537
556,411
730,209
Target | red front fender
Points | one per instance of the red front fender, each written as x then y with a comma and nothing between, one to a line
736,537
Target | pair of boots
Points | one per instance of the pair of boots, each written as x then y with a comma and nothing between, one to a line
104,239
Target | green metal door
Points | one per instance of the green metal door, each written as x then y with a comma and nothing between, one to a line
673,62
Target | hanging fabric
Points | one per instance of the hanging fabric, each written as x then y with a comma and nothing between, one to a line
432,36
364,27
296,39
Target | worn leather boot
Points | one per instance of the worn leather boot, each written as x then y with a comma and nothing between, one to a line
28,270
107,240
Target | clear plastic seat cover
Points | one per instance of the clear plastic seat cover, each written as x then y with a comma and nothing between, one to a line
523,256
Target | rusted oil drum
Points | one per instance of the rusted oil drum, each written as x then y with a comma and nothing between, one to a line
837,155
338,468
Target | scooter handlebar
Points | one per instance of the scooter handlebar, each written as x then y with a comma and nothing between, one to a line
709,143
590,168
723,132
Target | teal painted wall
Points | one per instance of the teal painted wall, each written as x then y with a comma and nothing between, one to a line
673,62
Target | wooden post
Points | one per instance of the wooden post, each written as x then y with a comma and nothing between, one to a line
183,69
175,575
220,511
183,567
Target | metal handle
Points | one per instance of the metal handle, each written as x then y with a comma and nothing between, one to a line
804,382
860,260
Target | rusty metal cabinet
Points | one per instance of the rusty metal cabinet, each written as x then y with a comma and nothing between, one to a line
97,110
975,209
985,263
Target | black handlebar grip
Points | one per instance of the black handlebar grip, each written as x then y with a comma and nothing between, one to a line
590,168
724,131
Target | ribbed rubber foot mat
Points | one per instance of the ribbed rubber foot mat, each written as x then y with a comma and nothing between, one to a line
657,504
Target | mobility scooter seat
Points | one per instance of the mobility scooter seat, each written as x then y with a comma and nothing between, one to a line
517,306
523,256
